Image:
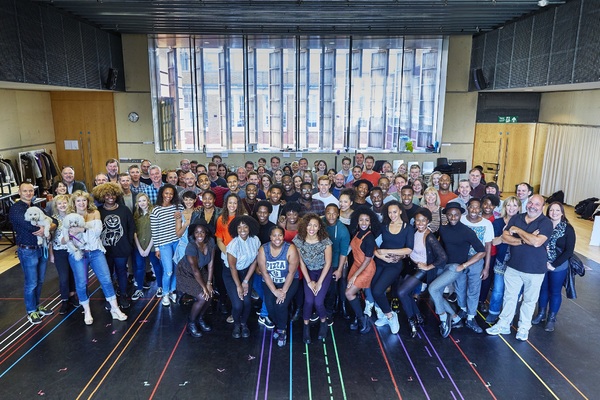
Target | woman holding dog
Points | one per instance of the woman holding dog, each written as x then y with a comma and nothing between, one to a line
60,256
93,256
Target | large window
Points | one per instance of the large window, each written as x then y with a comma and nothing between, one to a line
218,93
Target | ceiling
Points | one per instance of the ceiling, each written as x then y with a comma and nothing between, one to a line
303,17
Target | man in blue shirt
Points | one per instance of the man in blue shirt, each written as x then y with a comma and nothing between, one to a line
33,257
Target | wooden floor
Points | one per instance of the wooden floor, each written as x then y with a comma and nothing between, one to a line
151,356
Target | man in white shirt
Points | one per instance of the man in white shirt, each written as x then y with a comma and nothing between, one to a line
524,191
323,194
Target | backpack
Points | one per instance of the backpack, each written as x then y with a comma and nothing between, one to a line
556,196
580,207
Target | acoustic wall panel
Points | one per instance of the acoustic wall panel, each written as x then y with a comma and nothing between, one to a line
557,46
11,67
56,55
39,45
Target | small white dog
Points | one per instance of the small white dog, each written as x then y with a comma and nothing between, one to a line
74,243
37,218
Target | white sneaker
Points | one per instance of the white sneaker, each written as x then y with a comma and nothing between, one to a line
498,330
165,301
383,321
522,335
394,324
368,308
173,297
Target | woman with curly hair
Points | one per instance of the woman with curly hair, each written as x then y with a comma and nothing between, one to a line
240,265
163,222
195,275
315,250
363,267
117,233
82,203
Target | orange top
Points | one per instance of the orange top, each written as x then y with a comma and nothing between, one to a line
223,231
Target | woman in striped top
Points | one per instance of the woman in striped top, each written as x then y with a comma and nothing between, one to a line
163,226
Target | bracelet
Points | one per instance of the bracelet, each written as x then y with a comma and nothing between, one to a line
209,283
245,281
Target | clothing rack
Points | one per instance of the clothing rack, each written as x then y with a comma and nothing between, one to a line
29,151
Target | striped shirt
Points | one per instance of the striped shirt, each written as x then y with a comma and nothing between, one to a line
162,224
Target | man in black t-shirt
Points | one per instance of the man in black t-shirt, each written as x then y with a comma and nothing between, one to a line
457,239
527,235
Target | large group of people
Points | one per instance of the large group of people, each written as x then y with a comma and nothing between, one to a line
304,243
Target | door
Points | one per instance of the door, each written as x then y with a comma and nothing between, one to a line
84,125
506,152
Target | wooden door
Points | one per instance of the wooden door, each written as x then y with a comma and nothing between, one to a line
509,147
518,157
84,125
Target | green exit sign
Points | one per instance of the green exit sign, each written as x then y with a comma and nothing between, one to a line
506,119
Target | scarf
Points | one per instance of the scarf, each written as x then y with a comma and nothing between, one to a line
557,233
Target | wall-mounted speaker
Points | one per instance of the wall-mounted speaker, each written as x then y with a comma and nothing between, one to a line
479,80
111,81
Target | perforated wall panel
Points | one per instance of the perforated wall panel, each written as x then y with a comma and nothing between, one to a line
554,47
39,45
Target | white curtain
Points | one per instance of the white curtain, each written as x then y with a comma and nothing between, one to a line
572,162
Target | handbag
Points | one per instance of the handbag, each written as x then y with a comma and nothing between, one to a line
576,265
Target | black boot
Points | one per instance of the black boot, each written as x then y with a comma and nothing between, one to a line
354,325
413,327
365,324
540,317
323,330
193,329
203,325
550,322
306,334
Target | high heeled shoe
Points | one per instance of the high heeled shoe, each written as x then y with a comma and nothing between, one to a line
118,314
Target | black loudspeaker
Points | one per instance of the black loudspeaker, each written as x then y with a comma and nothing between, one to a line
111,81
478,79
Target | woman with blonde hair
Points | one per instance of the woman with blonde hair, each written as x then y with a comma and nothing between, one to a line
431,201
93,256
60,257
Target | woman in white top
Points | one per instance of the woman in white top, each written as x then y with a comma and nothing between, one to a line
240,265
83,204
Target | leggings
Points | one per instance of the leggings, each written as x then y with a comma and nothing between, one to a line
240,309
279,312
405,290
318,301
384,277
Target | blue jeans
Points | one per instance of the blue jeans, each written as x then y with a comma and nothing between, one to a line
139,265
167,251
468,287
497,295
240,309
257,285
97,261
551,290
34,265
436,289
